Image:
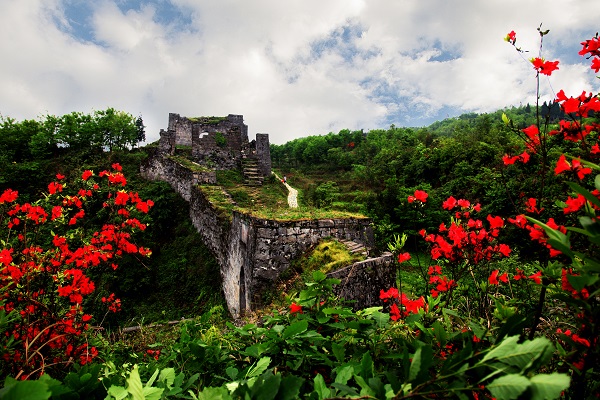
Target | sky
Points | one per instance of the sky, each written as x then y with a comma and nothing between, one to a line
293,68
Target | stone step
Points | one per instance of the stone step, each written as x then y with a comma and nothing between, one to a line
355,248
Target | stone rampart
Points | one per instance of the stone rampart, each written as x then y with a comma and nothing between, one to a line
180,178
252,252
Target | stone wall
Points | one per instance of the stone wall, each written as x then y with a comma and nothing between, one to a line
181,179
361,282
183,128
253,252
267,247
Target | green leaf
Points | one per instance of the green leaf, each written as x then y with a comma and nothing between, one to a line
505,119
167,375
318,276
295,329
259,367
338,351
25,390
266,387
152,378
365,389
134,384
321,388
152,393
549,386
290,388
118,392
440,333
382,319
509,352
232,373
367,366
345,390
256,350
580,281
344,373
415,366
214,393
508,387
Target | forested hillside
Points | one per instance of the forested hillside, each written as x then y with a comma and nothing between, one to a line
376,171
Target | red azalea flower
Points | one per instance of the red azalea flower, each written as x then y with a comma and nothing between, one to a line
504,250
562,165
394,312
493,279
495,222
596,64
511,37
574,204
508,160
403,257
544,67
537,277
449,204
295,309
421,195
391,293
591,46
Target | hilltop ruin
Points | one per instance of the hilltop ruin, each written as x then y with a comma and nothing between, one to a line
219,143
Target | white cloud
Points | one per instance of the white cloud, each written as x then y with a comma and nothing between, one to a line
293,68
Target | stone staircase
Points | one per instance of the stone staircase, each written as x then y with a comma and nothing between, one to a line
355,248
252,176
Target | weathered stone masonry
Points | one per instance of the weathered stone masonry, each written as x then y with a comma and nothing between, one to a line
252,252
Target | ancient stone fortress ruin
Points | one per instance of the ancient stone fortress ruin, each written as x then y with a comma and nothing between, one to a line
252,252
219,143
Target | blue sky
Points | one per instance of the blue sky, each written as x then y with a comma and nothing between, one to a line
293,68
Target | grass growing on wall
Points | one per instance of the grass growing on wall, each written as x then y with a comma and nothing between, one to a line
269,201
327,256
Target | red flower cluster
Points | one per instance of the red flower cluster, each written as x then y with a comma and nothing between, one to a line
407,306
509,160
295,309
592,46
47,285
153,353
467,240
562,165
544,67
441,282
114,304
419,195
494,279
567,287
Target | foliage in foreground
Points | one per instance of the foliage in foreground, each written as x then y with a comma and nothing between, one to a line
322,349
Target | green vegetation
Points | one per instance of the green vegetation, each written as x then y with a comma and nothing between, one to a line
268,201
192,166
208,120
